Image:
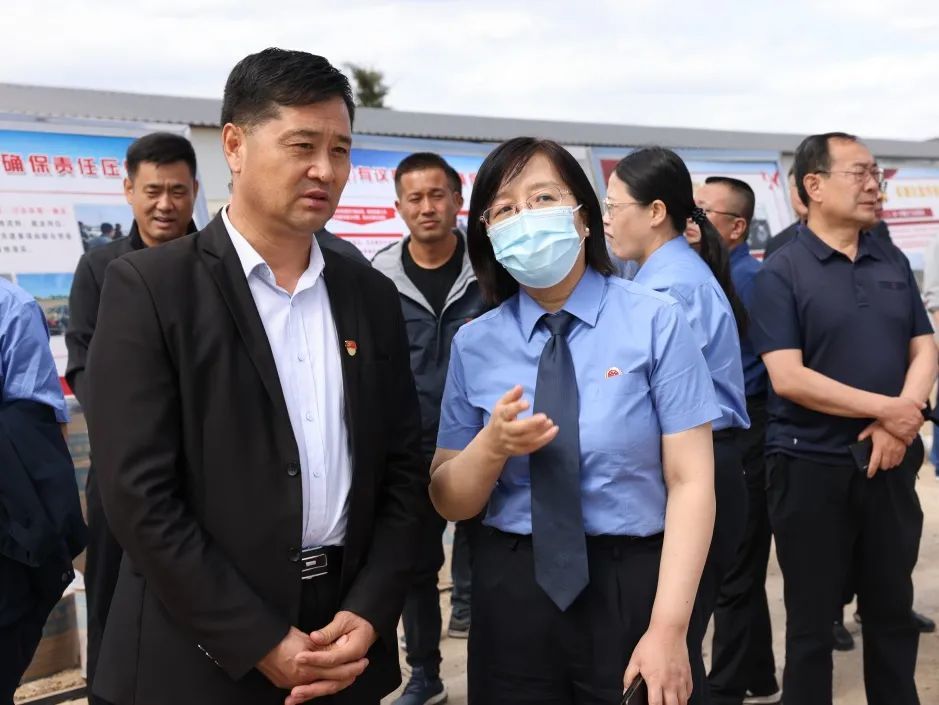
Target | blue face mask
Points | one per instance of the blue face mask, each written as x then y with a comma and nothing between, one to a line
537,247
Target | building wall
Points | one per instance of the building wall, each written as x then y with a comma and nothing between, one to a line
207,141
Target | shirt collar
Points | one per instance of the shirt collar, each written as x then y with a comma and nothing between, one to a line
740,252
251,260
867,246
136,242
675,247
584,303
823,250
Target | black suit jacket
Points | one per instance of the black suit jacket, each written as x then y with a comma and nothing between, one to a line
83,303
197,466
328,241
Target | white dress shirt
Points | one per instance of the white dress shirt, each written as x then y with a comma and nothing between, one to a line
303,338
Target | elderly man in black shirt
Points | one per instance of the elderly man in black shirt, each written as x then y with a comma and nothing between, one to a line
849,351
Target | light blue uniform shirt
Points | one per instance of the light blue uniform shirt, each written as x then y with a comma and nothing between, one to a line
639,375
677,270
27,368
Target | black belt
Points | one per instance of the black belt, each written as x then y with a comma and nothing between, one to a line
319,561
600,541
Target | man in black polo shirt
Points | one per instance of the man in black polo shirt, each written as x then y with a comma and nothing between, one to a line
161,188
847,343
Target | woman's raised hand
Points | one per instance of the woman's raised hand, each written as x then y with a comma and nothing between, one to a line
507,435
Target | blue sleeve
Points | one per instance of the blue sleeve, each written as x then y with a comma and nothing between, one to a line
690,305
682,391
460,421
27,367
774,318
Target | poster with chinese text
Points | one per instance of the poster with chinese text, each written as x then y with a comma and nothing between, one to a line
772,212
911,210
61,194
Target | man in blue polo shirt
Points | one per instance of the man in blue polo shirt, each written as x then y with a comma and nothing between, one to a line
742,665
847,343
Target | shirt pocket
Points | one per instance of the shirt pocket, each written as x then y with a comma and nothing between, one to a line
617,384
618,415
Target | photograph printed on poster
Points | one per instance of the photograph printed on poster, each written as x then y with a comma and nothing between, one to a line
51,291
101,223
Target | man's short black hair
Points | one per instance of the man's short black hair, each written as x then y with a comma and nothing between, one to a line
160,148
419,161
261,83
813,156
742,192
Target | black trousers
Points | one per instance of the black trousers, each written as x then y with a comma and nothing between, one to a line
461,561
818,513
320,599
102,565
421,616
27,596
742,650
524,651
729,523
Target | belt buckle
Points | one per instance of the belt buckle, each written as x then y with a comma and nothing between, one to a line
314,563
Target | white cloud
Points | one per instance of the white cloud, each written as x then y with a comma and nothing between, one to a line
867,67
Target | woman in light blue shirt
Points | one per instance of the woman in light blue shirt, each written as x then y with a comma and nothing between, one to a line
649,202
577,413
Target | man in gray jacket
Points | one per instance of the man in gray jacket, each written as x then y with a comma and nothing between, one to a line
438,293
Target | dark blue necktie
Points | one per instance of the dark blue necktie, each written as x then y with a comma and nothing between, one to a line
557,522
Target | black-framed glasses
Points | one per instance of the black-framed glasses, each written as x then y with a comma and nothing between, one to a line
610,206
860,176
708,211
548,197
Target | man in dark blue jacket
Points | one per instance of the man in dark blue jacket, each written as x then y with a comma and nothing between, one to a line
41,527
439,293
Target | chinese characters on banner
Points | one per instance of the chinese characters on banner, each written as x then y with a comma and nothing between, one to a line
911,210
60,194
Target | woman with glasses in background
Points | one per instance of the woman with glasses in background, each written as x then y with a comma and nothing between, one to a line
649,202
577,413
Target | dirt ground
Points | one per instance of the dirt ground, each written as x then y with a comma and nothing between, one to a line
849,685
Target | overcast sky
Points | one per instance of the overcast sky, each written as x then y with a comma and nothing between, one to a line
864,66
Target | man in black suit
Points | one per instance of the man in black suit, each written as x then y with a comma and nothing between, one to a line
329,241
161,188
256,429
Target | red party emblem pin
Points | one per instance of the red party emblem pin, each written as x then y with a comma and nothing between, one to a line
351,347
613,372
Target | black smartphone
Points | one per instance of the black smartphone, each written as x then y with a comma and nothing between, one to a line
636,693
861,452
